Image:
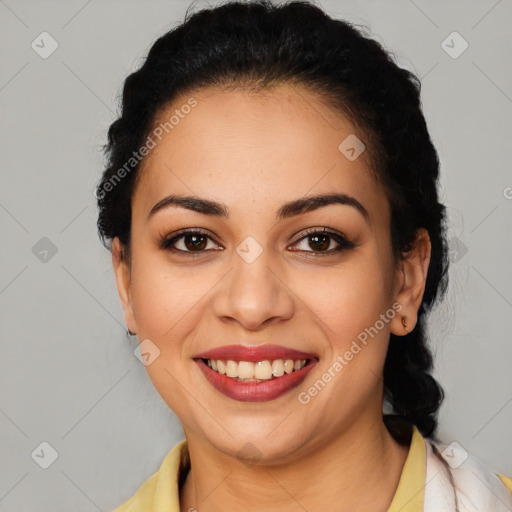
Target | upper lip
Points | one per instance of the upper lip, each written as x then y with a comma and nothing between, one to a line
254,353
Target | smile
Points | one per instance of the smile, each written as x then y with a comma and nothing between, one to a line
255,373
247,371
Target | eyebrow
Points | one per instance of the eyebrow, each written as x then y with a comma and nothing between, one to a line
290,209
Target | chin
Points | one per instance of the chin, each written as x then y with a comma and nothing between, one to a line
257,440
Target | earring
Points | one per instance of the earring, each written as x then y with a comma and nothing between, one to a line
404,323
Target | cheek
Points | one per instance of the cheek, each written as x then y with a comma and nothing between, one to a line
165,297
350,304
351,297
166,304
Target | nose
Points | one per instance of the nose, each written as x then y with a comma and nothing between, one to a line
253,295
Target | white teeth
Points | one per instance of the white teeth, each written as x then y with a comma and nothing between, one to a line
261,370
278,368
297,365
221,367
232,369
288,366
245,370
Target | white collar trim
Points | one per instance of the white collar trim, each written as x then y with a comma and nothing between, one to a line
459,482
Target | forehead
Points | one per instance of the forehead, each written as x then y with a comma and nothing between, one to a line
250,149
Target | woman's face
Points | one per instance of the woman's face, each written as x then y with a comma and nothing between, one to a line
256,275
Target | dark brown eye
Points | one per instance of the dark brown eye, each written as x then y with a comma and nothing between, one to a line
195,242
321,242
189,241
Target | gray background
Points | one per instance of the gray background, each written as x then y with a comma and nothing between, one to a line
68,373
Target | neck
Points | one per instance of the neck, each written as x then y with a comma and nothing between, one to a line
340,471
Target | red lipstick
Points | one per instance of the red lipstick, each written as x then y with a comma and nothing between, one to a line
263,390
254,353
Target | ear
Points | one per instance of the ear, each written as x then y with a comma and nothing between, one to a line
123,282
411,280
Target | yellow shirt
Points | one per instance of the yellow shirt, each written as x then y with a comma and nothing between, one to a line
160,493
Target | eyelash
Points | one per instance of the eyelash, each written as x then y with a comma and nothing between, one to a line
344,243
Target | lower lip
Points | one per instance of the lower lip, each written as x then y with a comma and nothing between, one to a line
255,391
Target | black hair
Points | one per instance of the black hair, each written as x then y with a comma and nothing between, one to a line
254,45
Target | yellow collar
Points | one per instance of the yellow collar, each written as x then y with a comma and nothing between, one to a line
160,493
410,492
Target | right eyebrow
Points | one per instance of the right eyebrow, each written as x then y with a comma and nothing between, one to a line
193,203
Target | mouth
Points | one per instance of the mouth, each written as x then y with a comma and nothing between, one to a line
259,371
255,374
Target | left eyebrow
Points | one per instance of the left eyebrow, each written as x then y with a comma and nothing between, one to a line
290,209
310,203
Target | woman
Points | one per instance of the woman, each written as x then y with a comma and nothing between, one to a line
270,201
